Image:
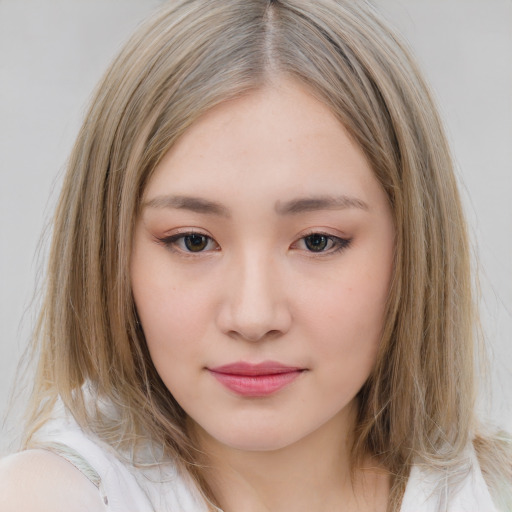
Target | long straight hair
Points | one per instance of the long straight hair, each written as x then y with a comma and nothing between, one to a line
417,407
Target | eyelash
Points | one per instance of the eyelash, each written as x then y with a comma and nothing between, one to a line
171,242
338,244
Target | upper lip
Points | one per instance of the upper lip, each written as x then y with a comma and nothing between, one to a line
263,368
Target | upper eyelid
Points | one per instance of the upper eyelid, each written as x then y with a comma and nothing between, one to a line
322,233
170,241
185,232
327,235
326,231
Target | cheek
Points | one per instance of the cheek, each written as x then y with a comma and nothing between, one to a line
346,344
346,318
172,310
174,326
355,301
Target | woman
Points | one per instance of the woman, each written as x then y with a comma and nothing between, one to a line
259,294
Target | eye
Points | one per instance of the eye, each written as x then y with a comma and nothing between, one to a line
195,243
322,243
190,242
317,242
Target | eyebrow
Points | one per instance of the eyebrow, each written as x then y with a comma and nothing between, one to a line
314,203
194,204
294,206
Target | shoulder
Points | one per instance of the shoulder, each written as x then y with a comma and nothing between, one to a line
39,480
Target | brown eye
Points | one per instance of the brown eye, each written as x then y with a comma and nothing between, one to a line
195,243
317,242
190,243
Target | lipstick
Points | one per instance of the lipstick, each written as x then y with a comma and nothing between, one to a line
255,380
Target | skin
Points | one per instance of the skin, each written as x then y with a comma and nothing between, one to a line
255,291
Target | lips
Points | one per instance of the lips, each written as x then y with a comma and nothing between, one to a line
255,380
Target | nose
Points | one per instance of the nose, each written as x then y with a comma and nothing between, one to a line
255,306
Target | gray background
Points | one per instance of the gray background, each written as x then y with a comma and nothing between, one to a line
52,53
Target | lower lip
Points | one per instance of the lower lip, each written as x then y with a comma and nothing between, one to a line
256,385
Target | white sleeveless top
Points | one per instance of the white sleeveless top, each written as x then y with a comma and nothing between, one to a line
124,488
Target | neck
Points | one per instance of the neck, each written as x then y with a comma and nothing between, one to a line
312,474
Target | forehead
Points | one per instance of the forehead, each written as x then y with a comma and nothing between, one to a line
277,141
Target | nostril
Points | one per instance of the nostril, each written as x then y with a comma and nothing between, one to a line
254,306
256,335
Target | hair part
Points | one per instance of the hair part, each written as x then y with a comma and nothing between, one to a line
417,406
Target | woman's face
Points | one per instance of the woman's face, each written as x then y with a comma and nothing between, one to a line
261,265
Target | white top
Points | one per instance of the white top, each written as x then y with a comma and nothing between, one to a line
123,488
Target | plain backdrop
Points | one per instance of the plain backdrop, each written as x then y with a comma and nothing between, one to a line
52,53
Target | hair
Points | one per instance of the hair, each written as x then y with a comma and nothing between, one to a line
417,407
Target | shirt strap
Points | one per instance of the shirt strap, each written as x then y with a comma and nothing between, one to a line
77,460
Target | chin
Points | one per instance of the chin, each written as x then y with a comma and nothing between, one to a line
253,436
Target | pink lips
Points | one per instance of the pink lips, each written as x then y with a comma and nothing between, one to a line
255,380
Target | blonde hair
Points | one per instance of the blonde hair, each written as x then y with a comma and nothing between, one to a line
417,407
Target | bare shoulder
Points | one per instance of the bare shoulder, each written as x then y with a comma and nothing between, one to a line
39,480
